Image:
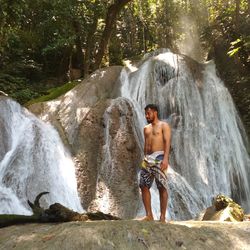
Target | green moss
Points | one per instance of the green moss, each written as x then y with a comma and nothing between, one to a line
53,93
14,219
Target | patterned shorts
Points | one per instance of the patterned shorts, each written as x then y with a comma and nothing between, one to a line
147,178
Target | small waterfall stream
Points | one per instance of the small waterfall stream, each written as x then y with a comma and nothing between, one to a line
208,152
32,160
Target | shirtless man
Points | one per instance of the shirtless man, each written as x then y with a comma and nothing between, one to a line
157,135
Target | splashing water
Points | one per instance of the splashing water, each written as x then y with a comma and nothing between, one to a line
208,153
32,160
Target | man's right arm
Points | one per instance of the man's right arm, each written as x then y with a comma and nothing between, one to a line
146,146
145,140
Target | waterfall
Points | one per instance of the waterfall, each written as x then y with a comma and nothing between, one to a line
208,153
32,160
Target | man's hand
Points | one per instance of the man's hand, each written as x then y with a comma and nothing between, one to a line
164,165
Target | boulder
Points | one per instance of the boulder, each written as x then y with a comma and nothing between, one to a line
99,131
224,209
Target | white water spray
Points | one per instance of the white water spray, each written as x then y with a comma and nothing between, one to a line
32,160
208,155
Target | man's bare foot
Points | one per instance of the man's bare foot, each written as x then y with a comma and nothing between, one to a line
145,218
162,220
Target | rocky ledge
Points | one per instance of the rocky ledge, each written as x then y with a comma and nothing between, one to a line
127,234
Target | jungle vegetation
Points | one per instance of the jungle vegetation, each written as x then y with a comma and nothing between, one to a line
47,43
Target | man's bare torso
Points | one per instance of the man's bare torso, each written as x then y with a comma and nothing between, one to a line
154,140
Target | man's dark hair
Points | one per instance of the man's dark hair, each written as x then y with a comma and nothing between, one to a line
153,107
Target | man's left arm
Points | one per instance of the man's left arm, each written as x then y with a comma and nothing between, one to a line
166,130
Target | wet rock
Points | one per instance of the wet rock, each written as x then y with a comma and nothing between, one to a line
100,134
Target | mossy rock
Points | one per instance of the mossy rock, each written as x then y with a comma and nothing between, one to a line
53,93
224,209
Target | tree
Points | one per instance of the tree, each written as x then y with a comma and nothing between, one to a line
111,17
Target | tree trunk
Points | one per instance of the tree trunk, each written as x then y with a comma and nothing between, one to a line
79,57
237,13
55,213
89,44
112,13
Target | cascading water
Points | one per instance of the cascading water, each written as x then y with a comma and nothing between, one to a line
208,154
32,160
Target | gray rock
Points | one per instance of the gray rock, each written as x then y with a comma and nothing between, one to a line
100,134
127,235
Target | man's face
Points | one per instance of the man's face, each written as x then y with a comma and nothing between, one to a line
150,115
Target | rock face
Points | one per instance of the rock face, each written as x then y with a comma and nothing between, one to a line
127,235
117,173
99,133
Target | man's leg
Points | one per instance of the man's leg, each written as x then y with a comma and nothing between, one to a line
146,181
163,202
146,198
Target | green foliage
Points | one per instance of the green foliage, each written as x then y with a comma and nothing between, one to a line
24,95
239,45
9,83
50,37
17,88
227,32
235,47
40,39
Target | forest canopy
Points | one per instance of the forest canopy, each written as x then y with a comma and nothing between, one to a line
67,39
